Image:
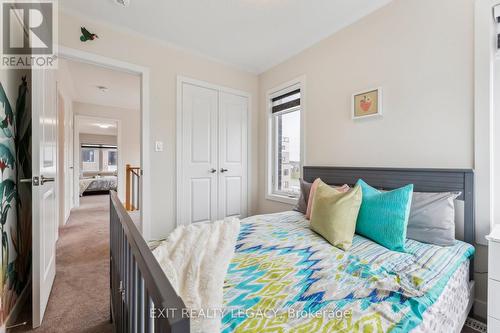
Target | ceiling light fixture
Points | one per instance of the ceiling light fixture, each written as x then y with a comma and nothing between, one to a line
123,3
104,126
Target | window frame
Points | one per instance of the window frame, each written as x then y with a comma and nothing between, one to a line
272,142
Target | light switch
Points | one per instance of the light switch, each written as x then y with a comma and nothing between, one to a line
159,146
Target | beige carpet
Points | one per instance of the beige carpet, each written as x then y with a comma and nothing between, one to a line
80,297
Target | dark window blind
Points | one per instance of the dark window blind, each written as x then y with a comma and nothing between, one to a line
286,101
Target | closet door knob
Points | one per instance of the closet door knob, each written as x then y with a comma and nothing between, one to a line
223,170
213,170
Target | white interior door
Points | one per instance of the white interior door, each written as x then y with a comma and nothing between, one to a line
44,150
198,172
233,113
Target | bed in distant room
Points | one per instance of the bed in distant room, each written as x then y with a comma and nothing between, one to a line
98,184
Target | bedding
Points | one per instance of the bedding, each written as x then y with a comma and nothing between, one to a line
195,260
383,216
305,188
334,214
104,183
284,277
314,186
449,312
312,190
432,218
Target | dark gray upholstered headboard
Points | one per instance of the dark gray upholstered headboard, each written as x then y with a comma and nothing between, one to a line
424,180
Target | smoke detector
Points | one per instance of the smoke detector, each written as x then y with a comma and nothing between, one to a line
123,3
102,89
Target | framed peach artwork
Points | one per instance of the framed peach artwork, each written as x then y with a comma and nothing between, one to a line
367,104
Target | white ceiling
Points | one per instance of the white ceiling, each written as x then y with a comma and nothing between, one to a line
97,126
123,88
251,34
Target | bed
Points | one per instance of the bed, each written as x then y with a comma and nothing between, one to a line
98,184
281,264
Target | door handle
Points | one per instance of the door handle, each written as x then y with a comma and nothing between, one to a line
44,179
213,170
35,181
222,170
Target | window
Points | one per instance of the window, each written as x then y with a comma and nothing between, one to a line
88,155
90,159
109,160
99,158
285,146
112,157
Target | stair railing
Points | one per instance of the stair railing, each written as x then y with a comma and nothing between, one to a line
132,188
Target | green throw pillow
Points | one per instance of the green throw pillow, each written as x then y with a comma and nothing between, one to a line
334,214
383,216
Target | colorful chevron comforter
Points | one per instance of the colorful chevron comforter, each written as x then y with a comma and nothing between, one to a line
286,278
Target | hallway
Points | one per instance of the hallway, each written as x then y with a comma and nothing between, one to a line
79,301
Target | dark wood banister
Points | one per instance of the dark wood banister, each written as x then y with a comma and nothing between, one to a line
139,287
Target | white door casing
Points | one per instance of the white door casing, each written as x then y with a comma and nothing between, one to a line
61,156
147,221
233,145
212,152
44,165
199,154
67,162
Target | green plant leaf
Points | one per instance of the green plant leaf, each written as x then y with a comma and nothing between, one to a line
5,247
6,156
7,190
7,132
5,214
21,101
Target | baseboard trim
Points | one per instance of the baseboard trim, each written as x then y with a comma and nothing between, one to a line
18,307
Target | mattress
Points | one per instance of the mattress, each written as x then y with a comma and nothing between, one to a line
447,314
286,278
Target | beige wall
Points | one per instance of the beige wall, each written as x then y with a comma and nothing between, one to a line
164,63
421,53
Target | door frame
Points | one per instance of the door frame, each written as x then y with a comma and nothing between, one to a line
67,158
61,195
76,147
143,72
485,151
179,140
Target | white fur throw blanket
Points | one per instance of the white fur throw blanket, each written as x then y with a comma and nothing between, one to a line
195,259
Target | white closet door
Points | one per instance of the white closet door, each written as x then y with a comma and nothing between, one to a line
198,192
233,155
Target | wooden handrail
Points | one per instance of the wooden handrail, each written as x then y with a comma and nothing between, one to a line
132,193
